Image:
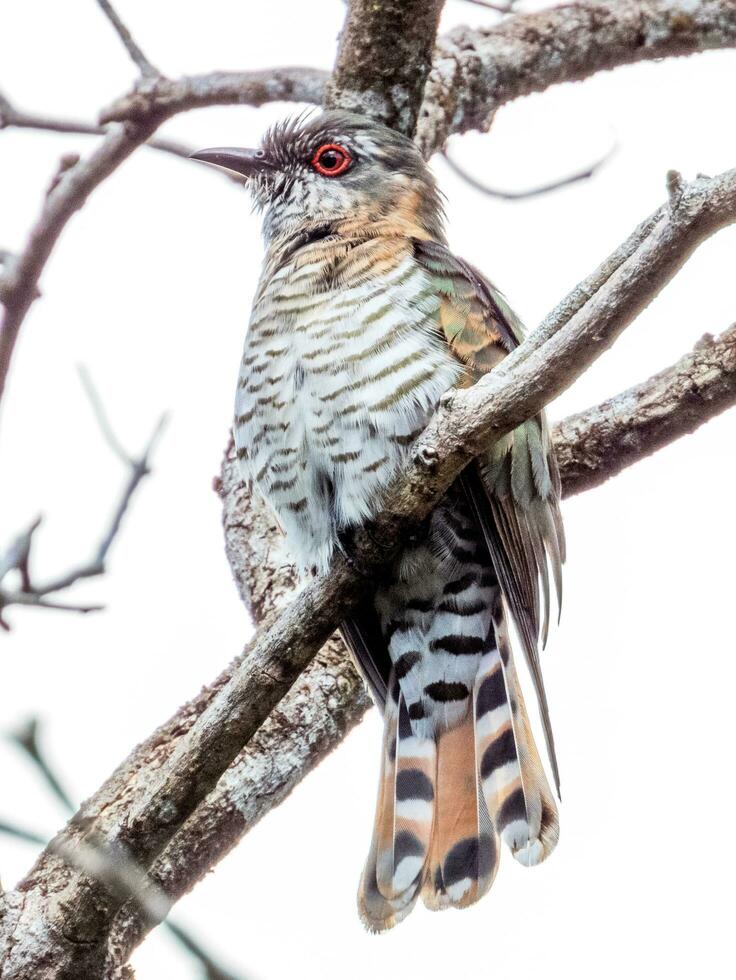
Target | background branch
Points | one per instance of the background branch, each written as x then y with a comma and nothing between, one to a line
144,65
17,557
575,177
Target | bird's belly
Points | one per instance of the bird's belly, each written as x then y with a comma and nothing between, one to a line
325,416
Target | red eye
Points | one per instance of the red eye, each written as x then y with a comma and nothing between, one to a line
331,160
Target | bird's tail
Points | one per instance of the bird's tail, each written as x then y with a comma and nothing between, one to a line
445,802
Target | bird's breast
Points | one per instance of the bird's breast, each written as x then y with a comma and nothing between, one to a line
334,387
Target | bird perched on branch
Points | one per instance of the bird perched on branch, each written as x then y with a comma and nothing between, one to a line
363,318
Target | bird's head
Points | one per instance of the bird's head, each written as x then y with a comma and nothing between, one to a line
339,172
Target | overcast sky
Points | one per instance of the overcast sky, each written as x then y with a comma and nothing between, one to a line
150,287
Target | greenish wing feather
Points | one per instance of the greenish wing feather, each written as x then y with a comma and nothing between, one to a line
514,487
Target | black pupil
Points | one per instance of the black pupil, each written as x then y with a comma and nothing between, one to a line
330,159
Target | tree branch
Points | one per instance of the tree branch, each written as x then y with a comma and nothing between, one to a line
383,60
475,72
153,101
152,904
600,442
163,794
585,173
20,282
162,98
13,118
17,556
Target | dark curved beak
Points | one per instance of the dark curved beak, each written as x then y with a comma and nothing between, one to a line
248,163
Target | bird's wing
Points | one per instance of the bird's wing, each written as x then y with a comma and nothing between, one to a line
514,487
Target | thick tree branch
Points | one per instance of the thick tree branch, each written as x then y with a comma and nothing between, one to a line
156,805
384,58
597,444
475,72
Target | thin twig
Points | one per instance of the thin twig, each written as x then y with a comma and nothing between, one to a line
575,177
138,467
212,969
146,68
26,738
22,833
101,416
498,8
16,558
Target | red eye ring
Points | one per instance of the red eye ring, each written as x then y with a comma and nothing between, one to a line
331,168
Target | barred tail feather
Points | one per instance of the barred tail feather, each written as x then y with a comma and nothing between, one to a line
464,855
517,794
401,840
537,789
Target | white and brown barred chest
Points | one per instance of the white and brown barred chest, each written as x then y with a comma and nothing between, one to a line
338,377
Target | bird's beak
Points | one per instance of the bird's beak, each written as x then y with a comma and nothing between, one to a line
247,163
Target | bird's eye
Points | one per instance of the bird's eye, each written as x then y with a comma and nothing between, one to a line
331,160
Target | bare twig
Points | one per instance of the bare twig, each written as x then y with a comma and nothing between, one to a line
144,65
212,969
583,174
499,8
17,555
10,118
153,101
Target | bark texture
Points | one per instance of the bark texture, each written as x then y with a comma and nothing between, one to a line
597,444
384,58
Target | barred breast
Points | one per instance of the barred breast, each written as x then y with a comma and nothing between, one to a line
341,370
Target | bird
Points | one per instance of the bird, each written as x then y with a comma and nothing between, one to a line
362,320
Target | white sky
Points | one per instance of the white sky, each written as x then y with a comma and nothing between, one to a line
150,288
